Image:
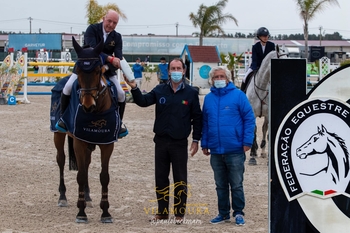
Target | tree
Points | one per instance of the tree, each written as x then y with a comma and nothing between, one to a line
209,20
95,12
308,10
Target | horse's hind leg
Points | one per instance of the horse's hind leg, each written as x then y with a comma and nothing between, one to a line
106,152
265,127
253,151
59,139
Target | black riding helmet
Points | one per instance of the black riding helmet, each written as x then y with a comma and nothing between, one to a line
262,32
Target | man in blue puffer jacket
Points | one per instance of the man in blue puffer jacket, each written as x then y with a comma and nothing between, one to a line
228,132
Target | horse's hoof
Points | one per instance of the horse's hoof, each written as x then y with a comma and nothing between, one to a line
62,203
252,161
89,204
81,219
106,219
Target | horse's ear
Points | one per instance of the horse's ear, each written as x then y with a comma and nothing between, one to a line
98,49
76,46
277,48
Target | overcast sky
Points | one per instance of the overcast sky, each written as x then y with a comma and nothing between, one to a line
161,16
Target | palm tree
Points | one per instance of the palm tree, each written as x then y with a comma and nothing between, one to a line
95,12
209,20
308,10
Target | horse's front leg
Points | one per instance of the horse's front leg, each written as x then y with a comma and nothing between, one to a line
106,152
59,139
82,155
265,128
253,151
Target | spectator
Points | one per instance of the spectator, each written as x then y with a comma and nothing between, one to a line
138,69
228,132
163,71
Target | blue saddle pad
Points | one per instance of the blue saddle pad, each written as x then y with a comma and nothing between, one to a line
55,109
95,128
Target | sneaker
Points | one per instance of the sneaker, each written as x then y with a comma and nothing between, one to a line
239,220
220,219
61,126
123,132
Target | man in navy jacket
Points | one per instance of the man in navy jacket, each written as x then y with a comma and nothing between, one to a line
178,113
111,55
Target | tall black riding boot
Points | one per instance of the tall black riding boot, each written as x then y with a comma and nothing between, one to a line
121,109
123,131
243,86
65,99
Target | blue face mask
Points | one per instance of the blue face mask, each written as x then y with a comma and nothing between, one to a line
176,76
219,83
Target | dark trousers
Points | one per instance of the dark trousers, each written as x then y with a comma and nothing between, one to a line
172,152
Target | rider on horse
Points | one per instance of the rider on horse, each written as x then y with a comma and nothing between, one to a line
112,45
259,51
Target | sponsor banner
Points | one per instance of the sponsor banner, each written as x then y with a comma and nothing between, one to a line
35,41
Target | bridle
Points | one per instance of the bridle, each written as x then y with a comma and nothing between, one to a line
88,91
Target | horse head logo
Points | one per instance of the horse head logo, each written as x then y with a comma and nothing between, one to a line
98,124
176,191
331,145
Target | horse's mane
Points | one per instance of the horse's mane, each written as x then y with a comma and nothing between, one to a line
345,150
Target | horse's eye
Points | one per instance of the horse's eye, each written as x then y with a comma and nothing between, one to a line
315,139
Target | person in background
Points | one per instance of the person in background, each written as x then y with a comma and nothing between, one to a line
228,132
36,68
259,52
163,71
177,113
111,54
138,68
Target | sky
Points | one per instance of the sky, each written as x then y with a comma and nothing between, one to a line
169,17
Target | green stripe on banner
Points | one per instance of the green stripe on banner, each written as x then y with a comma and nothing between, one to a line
318,192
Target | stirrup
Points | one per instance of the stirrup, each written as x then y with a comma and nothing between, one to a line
123,132
61,126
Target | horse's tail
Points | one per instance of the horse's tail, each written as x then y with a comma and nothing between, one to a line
72,160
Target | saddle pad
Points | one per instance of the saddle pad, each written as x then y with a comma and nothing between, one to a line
95,128
55,109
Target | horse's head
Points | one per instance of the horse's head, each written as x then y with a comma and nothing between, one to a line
282,51
89,71
317,144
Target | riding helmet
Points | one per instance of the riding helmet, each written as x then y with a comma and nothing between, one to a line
262,32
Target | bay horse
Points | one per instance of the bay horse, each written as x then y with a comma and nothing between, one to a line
258,95
90,103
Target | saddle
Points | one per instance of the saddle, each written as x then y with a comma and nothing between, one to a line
247,81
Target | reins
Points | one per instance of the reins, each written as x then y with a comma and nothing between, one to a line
262,100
